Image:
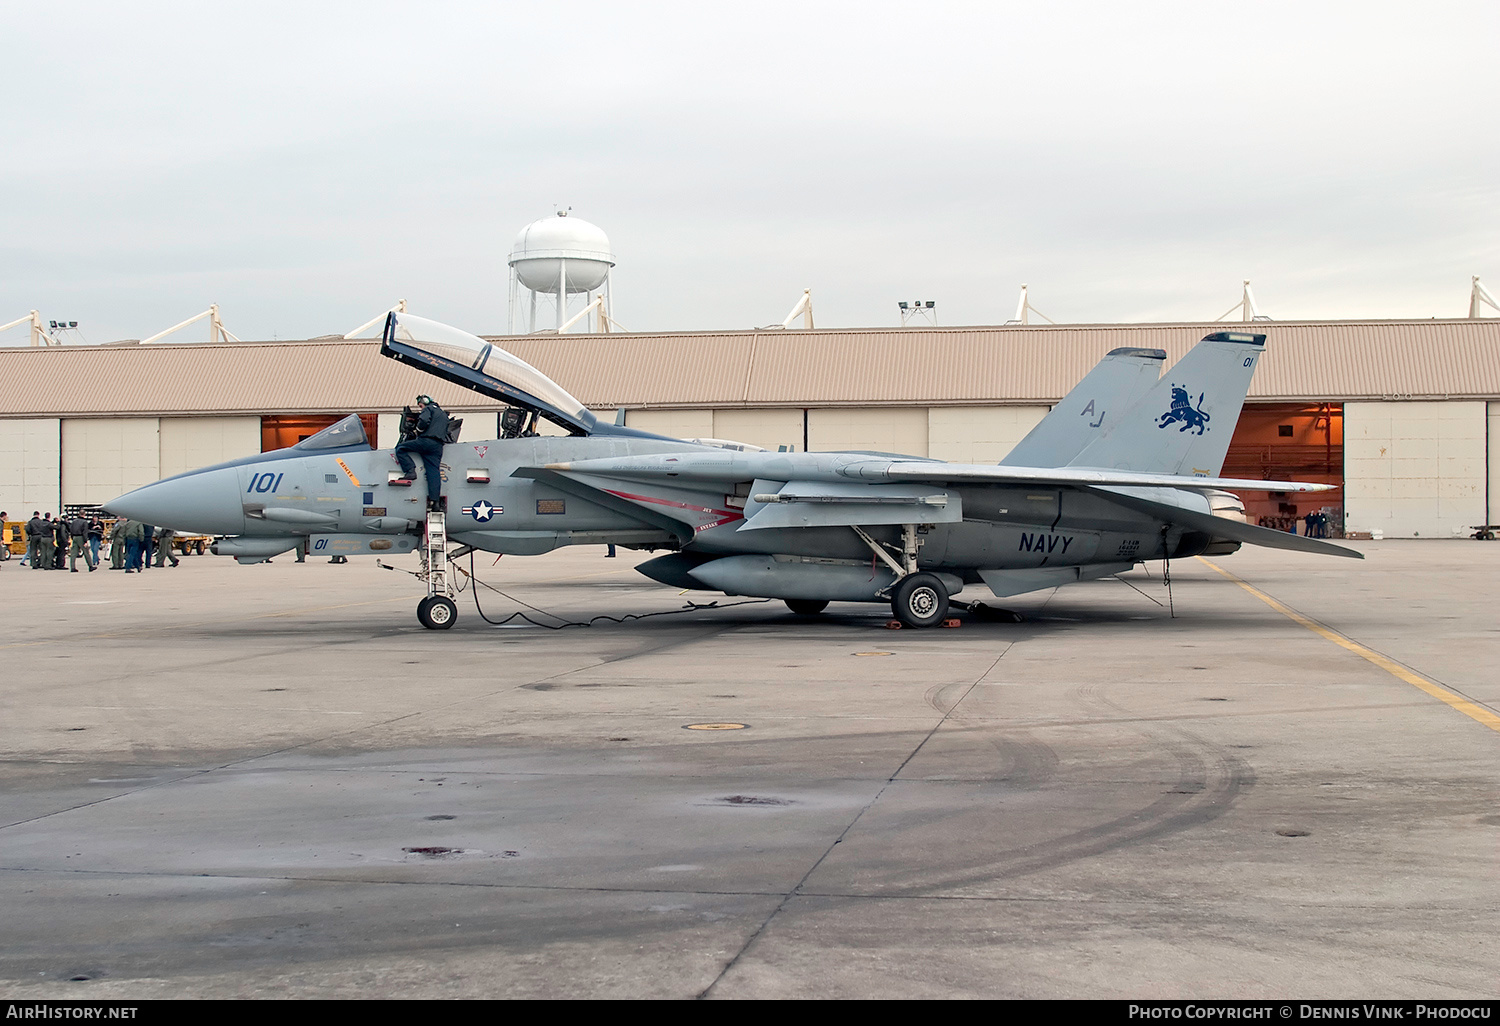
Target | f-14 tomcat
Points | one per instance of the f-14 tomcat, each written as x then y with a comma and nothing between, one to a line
1124,469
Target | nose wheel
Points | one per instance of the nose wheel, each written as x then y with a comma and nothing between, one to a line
437,612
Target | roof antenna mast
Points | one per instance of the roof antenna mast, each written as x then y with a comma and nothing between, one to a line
1479,297
1024,310
1246,306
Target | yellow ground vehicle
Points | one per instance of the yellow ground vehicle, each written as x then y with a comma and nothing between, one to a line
187,544
14,539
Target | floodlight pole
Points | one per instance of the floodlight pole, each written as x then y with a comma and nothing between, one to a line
918,308
39,336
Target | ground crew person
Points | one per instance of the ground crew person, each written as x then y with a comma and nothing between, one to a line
117,544
61,539
49,542
135,537
78,533
36,527
164,538
431,433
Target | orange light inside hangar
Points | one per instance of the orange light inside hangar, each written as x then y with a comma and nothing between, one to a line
1290,442
285,430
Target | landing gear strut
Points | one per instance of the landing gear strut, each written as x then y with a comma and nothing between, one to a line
438,611
917,599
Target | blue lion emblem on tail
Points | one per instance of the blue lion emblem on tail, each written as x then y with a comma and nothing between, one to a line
1182,412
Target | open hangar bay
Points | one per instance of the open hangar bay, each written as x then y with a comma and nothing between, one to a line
269,781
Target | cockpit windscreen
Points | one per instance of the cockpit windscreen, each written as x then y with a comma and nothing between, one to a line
347,432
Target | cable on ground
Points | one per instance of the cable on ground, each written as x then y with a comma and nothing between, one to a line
564,621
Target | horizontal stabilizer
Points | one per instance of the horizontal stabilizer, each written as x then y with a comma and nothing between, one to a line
1005,583
1222,527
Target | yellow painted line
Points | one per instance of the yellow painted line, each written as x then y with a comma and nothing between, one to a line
1395,669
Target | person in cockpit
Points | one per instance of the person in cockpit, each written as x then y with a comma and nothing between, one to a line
429,434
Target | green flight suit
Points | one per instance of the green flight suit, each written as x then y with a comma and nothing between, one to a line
117,545
48,543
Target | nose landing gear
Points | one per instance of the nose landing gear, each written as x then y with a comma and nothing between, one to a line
438,611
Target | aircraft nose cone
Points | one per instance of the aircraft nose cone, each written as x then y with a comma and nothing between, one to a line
204,503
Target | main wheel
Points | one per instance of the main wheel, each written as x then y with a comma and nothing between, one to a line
437,612
920,600
806,607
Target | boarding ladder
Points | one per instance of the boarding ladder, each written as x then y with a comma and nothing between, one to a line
435,567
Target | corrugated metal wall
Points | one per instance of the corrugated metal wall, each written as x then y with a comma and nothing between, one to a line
30,466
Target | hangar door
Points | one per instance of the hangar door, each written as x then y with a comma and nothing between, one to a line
285,430
1290,442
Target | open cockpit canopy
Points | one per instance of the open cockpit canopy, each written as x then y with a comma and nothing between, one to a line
468,360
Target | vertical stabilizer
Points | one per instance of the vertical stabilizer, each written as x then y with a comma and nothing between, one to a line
1183,424
1104,395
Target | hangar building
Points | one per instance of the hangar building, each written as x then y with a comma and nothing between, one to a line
1400,414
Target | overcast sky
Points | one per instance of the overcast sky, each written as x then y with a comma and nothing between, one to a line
305,165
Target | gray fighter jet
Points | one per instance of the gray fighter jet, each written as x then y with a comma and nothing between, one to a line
1123,470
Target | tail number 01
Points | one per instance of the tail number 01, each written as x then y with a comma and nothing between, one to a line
264,482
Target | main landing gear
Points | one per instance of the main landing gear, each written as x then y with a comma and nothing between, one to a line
918,599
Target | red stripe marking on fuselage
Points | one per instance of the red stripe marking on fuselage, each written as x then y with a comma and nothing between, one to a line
725,516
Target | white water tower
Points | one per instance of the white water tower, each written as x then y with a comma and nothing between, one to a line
559,257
